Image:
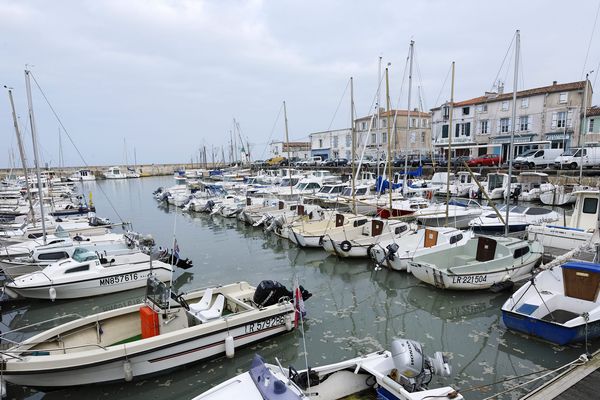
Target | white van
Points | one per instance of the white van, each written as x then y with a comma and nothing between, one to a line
537,158
573,158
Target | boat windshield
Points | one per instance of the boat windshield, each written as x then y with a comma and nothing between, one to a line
157,292
325,189
82,255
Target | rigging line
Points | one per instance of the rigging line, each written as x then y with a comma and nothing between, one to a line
503,60
587,53
597,71
73,143
339,104
422,92
272,130
443,86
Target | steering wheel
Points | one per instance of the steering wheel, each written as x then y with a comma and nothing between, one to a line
183,302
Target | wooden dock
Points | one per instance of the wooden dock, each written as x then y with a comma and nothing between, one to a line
578,382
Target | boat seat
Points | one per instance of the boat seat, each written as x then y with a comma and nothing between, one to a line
204,303
213,312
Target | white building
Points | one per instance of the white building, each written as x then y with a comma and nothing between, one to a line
547,116
299,150
331,144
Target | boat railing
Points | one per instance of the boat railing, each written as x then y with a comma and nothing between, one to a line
3,334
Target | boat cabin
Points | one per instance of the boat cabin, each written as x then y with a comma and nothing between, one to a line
585,214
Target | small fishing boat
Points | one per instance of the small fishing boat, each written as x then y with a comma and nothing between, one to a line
355,241
531,184
401,374
519,218
496,186
404,207
85,274
479,264
310,233
115,173
461,186
580,227
558,195
559,304
166,332
459,214
396,253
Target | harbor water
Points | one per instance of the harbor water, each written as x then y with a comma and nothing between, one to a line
355,309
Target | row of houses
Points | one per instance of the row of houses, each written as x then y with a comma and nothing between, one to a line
546,117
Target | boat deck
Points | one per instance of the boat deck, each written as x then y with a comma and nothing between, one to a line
560,316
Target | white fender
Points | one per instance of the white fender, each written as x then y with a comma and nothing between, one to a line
127,371
288,322
229,346
52,293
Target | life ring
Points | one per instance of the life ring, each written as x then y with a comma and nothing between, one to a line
346,246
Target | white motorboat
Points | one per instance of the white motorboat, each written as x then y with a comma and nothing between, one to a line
461,186
115,173
306,186
310,233
559,195
496,186
403,207
580,227
396,253
401,374
559,305
136,341
479,264
355,241
531,184
82,175
519,218
459,214
87,274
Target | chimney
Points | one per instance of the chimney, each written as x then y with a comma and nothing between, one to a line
553,83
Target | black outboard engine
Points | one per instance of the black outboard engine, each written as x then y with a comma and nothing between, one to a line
270,292
412,369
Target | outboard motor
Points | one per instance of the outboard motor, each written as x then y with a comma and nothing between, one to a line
270,292
412,369
208,207
274,223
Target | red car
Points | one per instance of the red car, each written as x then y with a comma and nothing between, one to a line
485,160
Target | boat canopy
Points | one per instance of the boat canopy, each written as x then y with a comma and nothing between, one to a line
82,255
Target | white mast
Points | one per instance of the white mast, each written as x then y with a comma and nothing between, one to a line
35,152
583,126
353,137
514,126
449,144
410,71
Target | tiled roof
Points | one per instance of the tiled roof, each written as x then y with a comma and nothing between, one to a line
401,113
593,111
559,87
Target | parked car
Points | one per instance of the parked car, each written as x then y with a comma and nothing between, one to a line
275,161
457,161
337,162
309,162
486,160
428,160
399,161
537,158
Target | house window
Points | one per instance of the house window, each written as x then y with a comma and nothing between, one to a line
424,123
363,126
383,137
556,145
444,131
373,138
524,123
465,129
384,123
413,122
422,137
562,97
320,143
504,125
484,127
466,110
348,140
446,112
525,102
591,125
482,108
561,119
505,105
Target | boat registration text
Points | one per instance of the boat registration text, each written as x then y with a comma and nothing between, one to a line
264,324
115,280
473,279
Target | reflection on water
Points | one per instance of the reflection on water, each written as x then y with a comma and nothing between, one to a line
354,309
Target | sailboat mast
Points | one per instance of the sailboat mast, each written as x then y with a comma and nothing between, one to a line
35,152
582,128
410,72
389,144
378,111
449,143
353,137
287,141
514,126
22,154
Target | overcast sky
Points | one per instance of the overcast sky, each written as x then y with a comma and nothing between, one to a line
169,76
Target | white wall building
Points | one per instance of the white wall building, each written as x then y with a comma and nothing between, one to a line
300,150
331,144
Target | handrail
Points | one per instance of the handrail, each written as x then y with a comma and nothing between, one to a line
38,323
49,350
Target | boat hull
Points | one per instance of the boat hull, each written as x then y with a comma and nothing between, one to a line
549,331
